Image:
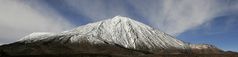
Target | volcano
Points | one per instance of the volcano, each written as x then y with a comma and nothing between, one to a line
118,36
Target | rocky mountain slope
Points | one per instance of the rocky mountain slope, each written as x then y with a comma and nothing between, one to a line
116,36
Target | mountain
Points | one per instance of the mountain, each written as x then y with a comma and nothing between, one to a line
116,36
118,30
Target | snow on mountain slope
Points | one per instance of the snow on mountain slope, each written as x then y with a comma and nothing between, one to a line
37,36
118,30
201,46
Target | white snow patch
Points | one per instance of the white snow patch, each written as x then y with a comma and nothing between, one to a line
37,36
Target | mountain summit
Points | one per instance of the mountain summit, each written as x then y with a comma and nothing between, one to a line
119,30
119,33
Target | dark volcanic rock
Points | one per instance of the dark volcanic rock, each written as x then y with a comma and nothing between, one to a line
87,49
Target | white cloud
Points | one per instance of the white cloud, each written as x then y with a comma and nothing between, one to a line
176,17
18,19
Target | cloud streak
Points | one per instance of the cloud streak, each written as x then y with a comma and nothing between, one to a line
18,19
176,17
171,16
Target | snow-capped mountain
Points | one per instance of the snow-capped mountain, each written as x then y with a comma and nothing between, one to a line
118,30
117,33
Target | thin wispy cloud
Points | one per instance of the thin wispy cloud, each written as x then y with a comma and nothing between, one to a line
171,16
18,19
176,17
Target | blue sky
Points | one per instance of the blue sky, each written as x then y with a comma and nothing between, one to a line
196,21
